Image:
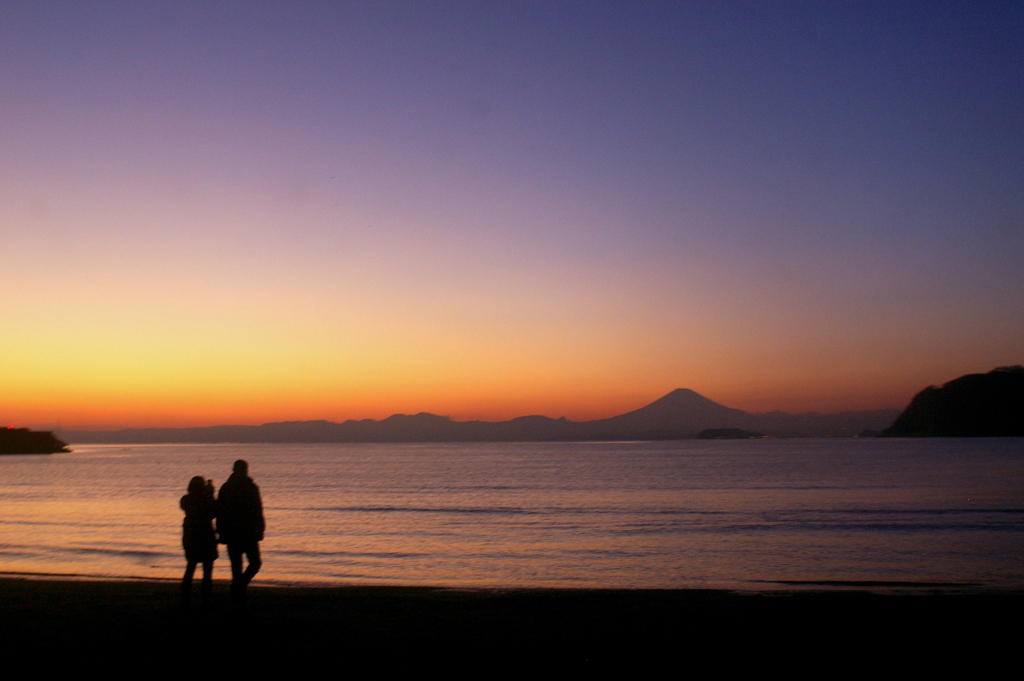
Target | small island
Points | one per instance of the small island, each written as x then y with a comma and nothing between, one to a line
25,441
728,434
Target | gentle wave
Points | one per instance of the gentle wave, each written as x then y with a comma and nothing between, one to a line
638,511
349,554
669,514
128,553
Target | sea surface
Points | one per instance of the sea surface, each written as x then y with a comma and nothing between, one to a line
751,514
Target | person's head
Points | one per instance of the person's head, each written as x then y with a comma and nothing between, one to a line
241,467
197,485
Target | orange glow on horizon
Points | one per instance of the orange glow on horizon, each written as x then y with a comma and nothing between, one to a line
300,214
114,409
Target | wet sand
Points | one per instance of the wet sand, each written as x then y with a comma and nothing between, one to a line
142,624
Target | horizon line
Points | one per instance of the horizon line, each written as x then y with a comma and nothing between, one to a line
100,429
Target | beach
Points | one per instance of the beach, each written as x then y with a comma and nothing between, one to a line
131,623
488,560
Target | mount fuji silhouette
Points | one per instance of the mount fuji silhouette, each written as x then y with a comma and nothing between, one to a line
681,414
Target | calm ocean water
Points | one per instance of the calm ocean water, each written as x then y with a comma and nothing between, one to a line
739,514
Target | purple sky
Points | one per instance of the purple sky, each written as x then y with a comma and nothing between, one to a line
253,211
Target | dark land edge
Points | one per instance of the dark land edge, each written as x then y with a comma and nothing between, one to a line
382,627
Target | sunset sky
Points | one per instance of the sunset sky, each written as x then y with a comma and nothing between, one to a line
247,212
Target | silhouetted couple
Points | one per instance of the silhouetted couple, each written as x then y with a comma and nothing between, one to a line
240,524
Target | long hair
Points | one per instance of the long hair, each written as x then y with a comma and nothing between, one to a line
196,486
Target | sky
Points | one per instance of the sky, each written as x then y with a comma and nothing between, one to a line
246,212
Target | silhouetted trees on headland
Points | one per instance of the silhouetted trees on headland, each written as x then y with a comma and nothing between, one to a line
975,405
25,441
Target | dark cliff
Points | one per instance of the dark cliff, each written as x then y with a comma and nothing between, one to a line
25,441
976,405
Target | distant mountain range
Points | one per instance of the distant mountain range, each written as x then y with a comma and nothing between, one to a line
681,414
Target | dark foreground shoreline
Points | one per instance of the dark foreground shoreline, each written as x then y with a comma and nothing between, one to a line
142,625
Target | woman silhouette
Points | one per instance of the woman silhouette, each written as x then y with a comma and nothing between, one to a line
198,537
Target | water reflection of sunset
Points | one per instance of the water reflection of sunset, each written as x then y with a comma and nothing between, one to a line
644,514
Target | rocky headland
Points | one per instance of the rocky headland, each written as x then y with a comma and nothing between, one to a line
25,441
975,405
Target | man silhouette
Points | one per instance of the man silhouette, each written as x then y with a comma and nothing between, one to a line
240,525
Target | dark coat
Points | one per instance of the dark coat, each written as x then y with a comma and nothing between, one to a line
240,511
197,534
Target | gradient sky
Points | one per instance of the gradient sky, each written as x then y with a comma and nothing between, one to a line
246,212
